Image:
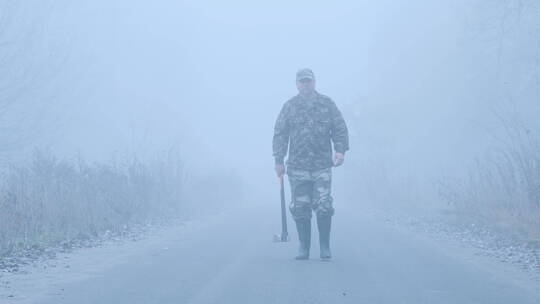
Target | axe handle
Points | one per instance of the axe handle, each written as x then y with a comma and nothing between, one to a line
284,233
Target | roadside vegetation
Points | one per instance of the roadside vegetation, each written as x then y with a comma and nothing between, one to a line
52,201
502,189
474,160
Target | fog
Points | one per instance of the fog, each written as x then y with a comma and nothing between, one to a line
427,88
210,77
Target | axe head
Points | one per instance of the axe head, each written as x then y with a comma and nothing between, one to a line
278,238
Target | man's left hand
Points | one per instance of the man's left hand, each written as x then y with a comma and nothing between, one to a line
339,158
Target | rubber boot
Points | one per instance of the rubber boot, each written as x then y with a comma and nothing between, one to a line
304,236
324,224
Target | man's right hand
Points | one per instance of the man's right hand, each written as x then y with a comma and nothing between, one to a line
280,170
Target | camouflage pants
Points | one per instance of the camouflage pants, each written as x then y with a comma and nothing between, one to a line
310,190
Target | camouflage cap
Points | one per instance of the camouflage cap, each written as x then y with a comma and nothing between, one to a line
305,74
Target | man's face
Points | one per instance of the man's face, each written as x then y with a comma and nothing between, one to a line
306,86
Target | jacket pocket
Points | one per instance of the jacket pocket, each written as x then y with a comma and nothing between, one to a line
323,126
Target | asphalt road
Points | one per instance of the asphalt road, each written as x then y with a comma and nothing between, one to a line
233,260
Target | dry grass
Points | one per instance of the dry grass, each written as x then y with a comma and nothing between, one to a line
502,189
53,200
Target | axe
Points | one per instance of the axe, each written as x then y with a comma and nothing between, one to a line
284,236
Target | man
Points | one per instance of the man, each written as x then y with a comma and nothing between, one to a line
307,126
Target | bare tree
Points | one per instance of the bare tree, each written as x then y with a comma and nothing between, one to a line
26,67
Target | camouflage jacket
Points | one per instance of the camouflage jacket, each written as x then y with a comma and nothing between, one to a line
308,127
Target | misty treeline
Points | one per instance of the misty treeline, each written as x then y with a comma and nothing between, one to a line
47,199
41,196
502,185
489,168
28,64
